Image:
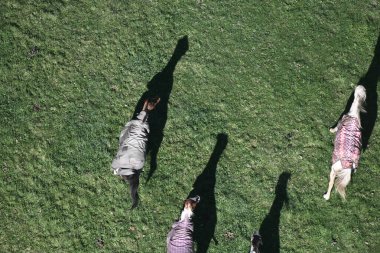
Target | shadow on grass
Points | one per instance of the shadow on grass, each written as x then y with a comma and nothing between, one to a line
269,229
160,85
369,81
205,217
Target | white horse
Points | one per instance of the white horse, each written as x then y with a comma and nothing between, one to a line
347,145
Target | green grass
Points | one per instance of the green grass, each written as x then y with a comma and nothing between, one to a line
272,76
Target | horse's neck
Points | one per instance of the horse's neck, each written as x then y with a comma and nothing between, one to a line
186,214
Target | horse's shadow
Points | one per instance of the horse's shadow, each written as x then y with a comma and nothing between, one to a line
205,217
160,86
270,227
369,81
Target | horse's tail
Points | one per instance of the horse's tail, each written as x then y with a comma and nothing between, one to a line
343,177
134,181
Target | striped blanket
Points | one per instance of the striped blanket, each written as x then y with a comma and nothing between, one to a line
179,239
348,143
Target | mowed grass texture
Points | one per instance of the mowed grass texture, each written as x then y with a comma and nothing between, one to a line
269,78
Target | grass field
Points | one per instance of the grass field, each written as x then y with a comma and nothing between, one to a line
245,123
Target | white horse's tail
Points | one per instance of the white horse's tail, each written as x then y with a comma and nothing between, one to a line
343,177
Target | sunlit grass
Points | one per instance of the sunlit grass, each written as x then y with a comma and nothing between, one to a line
273,77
